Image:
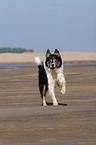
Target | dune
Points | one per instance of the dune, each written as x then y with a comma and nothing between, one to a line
68,57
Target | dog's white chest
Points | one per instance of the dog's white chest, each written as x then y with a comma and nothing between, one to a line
54,75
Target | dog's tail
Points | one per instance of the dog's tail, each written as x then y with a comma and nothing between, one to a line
38,61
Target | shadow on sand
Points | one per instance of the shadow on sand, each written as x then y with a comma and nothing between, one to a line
59,104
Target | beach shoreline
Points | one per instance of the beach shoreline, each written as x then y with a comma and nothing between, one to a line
28,58
70,61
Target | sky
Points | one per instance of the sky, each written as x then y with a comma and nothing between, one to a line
68,25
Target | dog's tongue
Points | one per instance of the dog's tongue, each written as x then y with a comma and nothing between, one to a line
55,69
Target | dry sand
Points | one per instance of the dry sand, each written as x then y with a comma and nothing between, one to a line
23,121
29,57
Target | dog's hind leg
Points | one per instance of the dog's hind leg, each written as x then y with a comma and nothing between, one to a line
44,95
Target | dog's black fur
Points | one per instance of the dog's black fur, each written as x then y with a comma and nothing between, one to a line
43,81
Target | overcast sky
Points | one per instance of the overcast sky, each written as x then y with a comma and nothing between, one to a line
68,25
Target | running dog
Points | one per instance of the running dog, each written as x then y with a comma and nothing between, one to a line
50,74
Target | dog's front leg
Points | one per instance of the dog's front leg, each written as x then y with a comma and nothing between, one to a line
62,82
63,89
52,92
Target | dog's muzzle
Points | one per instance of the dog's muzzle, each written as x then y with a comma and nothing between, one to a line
53,67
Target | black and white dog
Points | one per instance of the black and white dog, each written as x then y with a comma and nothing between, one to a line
50,74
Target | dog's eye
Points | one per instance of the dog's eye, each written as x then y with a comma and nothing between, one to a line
56,61
50,60
57,64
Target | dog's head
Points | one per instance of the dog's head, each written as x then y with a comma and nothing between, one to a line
53,60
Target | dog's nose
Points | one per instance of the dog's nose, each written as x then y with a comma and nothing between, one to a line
53,65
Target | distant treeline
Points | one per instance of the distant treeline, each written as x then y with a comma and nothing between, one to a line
15,50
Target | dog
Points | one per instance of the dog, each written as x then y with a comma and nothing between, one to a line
50,73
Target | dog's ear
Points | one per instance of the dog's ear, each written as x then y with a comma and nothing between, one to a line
48,53
56,52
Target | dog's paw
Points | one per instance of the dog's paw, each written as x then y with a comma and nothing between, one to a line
44,104
63,91
55,104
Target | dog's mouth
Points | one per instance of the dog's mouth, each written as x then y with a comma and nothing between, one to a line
54,69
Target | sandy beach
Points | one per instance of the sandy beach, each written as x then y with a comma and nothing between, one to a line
68,57
23,121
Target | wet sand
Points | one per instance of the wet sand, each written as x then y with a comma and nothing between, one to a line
23,121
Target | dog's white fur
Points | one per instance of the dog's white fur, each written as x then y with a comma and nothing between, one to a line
37,60
53,78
